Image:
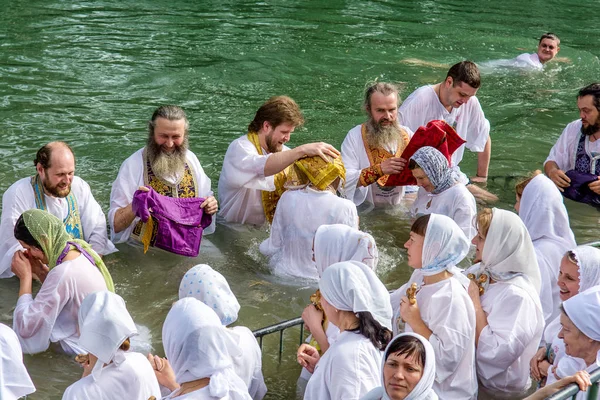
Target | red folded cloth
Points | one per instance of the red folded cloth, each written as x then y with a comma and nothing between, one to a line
436,134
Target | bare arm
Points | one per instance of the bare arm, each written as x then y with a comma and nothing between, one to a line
123,218
279,161
558,176
483,162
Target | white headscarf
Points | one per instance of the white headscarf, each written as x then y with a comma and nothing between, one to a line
436,167
198,346
423,390
104,324
588,261
508,253
445,245
14,379
210,287
583,310
352,286
339,242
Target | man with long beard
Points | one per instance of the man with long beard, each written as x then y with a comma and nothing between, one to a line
578,147
56,189
167,166
371,151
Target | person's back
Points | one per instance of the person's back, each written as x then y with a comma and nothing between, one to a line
248,365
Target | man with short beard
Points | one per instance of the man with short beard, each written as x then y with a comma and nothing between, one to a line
166,165
254,168
578,147
371,151
56,189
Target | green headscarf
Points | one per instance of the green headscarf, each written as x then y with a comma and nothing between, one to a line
50,233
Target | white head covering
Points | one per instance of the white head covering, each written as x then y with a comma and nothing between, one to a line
508,253
198,346
352,286
210,287
14,379
583,310
445,245
588,261
104,324
436,167
339,242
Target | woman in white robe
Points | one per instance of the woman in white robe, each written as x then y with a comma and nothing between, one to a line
540,206
440,190
14,379
210,287
509,318
111,372
408,370
442,311
358,303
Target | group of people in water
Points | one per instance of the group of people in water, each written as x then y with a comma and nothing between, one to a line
526,308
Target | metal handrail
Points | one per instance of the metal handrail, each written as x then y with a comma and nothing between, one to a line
279,327
572,390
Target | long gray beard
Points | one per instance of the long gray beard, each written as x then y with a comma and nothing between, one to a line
164,164
383,136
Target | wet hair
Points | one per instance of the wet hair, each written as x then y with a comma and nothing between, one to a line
412,164
420,225
465,71
22,233
592,90
125,345
276,111
484,221
520,186
408,346
168,112
550,35
380,87
379,335
44,154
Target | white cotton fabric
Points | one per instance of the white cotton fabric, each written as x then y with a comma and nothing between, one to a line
564,150
14,378
52,315
298,215
355,160
248,363
338,242
545,216
131,177
531,60
349,369
423,390
241,181
582,309
588,261
423,105
352,286
19,197
197,346
445,245
211,288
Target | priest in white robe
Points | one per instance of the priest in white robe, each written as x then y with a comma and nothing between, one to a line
57,190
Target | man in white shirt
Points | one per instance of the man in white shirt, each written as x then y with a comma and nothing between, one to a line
253,173
56,189
167,166
548,48
454,101
578,147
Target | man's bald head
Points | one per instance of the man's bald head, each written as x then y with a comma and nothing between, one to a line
55,164
59,150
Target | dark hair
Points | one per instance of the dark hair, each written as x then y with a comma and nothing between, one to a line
380,87
420,225
408,346
379,335
465,71
594,91
412,164
125,345
44,154
22,233
276,111
168,112
550,35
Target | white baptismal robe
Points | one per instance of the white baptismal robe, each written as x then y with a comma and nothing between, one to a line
52,315
355,158
529,60
14,378
423,105
349,369
133,379
298,215
455,202
564,150
131,177
241,181
201,394
20,197
511,338
248,366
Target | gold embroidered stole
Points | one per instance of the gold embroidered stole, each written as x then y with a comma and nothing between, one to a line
376,156
269,199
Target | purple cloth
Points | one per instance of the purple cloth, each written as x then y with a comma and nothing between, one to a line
579,190
78,247
180,221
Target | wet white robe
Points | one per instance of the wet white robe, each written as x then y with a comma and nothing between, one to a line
14,378
248,365
564,150
19,197
528,60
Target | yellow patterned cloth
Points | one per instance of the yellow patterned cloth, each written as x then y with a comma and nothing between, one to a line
321,173
376,156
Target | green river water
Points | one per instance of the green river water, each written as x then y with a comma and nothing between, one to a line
91,73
